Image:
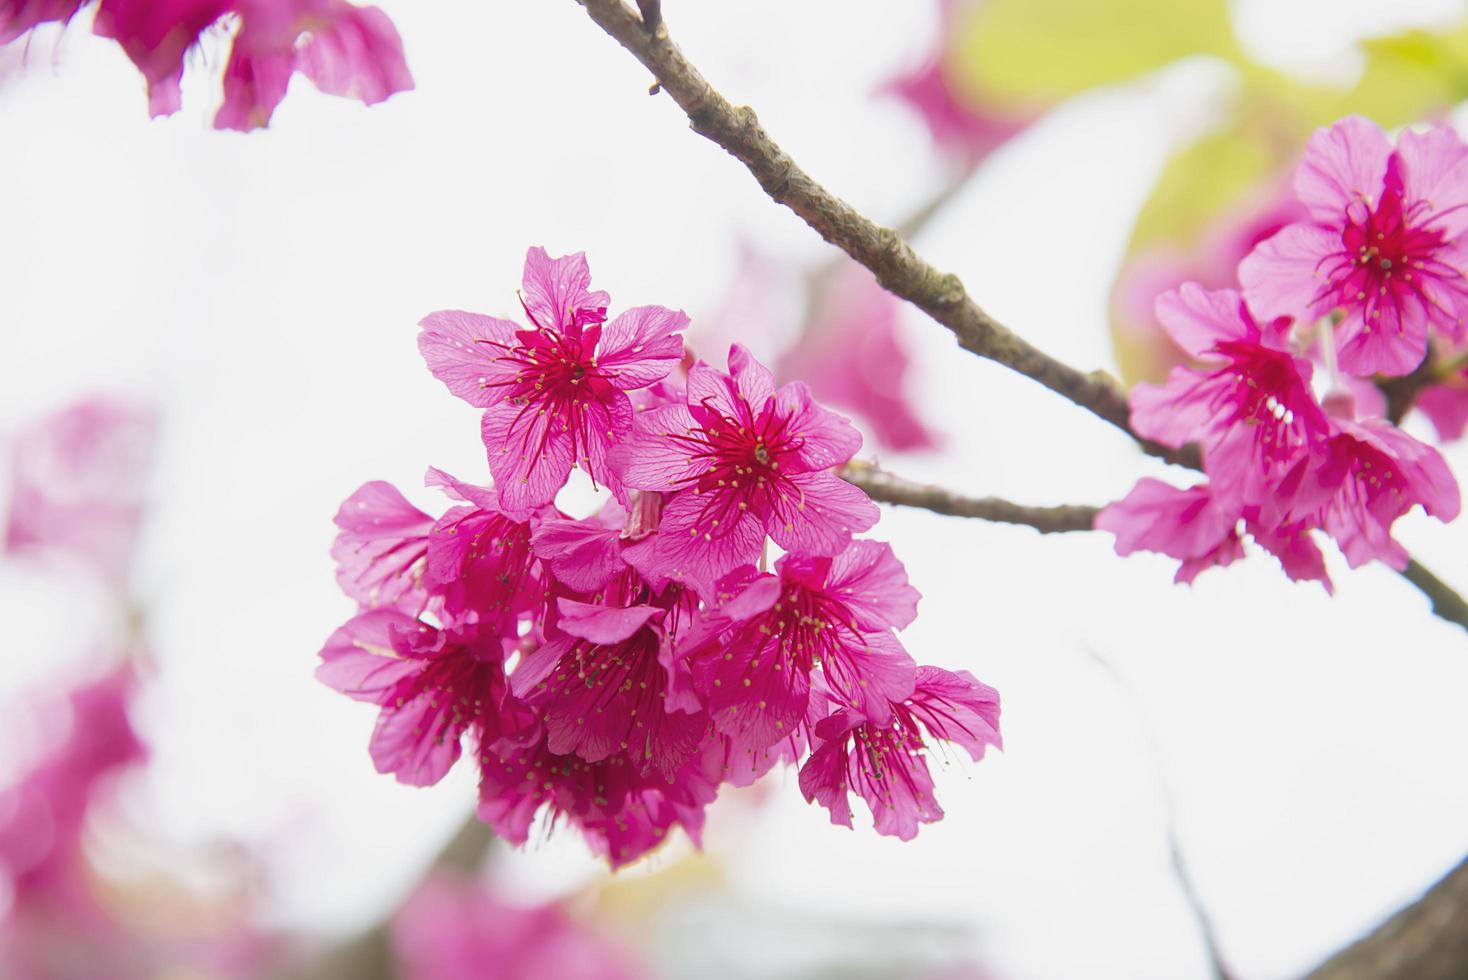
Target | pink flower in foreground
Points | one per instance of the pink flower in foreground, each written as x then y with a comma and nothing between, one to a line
554,395
433,686
956,122
1249,403
622,810
382,546
850,356
346,50
602,684
77,484
886,764
741,460
1384,244
753,655
453,930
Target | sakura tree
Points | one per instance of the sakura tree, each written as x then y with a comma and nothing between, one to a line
730,607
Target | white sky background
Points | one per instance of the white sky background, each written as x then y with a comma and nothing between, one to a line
264,290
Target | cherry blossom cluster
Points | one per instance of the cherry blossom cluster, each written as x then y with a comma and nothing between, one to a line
1364,284
344,49
612,671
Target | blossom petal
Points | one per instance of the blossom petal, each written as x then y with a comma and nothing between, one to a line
1281,277
557,292
819,514
463,351
641,346
1343,163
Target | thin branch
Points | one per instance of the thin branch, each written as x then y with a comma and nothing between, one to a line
890,258
1180,869
1446,603
891,489
1427,940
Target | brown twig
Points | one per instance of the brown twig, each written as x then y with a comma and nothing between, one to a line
885,252
1427,940
891,489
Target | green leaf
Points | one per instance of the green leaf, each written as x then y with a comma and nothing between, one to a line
1045,50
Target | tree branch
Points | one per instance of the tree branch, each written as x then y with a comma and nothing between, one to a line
890,258
891,489
1427,940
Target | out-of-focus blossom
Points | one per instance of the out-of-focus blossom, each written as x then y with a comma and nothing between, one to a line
851,356
1146,349
1384,244
455,930
344,49
959,124
77,484
41,815
555,394
1446,406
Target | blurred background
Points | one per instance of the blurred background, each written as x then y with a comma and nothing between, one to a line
256,296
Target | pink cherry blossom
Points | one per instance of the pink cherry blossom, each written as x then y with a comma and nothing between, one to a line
622,810
851,356
753,655
1193,526
456,930
346,50
381,551
957,123
1382,473
886,764
1383,244
1249,403
479,560
432,685
602,682
77,484
554,395
741,460
19,16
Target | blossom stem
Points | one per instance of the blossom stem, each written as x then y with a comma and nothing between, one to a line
882,250
889,489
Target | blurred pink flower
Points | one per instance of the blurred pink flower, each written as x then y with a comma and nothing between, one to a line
1146,350
455,930
851,356
77,484
345,49
41,815
958,123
